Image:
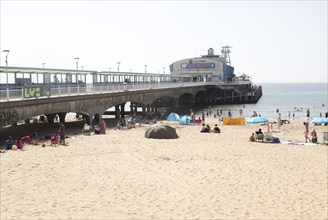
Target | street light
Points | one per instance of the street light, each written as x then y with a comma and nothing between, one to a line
6,51
43,64
77,68
164,69
118,66
110,69
145,68
82,67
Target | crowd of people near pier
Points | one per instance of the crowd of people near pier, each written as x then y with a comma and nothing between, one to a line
273,127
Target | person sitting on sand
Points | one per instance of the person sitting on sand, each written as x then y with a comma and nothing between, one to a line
35,138
216,129
252,137
9,143
54,139
19,143
205,128
97,129
259,131
119,125
26,139
259,135
314,136
103,127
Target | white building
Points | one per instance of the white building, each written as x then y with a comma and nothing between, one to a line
208,67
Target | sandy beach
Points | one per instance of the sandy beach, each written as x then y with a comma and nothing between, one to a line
123,175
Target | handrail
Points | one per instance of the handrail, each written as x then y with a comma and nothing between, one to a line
10,95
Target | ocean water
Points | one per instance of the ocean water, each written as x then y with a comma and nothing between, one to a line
293,98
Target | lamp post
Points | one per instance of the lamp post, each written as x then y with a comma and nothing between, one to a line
77,69
118,66
82,67
145,68
43,64
6,51
164,69
110,69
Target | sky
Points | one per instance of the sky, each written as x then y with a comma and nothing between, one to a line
272,41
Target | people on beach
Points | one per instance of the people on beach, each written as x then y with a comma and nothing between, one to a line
35,138
61,133
102,127
19,143
308,113
279,121
216,129
86,128
314,138
254,114
54,139
26,139
9,143
205,128
259,135
252,138
269,125
203,117
97,129
259,131
306,131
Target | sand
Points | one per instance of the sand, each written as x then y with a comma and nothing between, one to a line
123,175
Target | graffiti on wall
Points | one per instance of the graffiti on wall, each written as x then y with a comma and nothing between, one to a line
8,117
36,91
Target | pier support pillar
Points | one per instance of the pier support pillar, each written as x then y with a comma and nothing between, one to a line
117,111
122,110
62,117
51,118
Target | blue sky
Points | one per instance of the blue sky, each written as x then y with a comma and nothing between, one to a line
272,41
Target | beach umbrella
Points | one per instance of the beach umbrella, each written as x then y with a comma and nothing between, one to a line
257,120
173,117
185,120
161,132
320,121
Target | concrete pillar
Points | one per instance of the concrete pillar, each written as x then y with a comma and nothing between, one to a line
51,118
62,117
144,111
117,111
122,110
131,108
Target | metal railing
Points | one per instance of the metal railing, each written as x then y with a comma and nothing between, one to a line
10,95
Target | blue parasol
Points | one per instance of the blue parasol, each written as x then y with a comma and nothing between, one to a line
320,121
257,120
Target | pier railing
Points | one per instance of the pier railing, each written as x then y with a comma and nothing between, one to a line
9,95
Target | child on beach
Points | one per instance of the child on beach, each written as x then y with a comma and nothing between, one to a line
252,137
54,139
314,136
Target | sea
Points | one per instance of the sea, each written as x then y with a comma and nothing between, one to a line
287,98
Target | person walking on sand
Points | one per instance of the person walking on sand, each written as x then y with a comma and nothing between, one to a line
306,131
279,121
